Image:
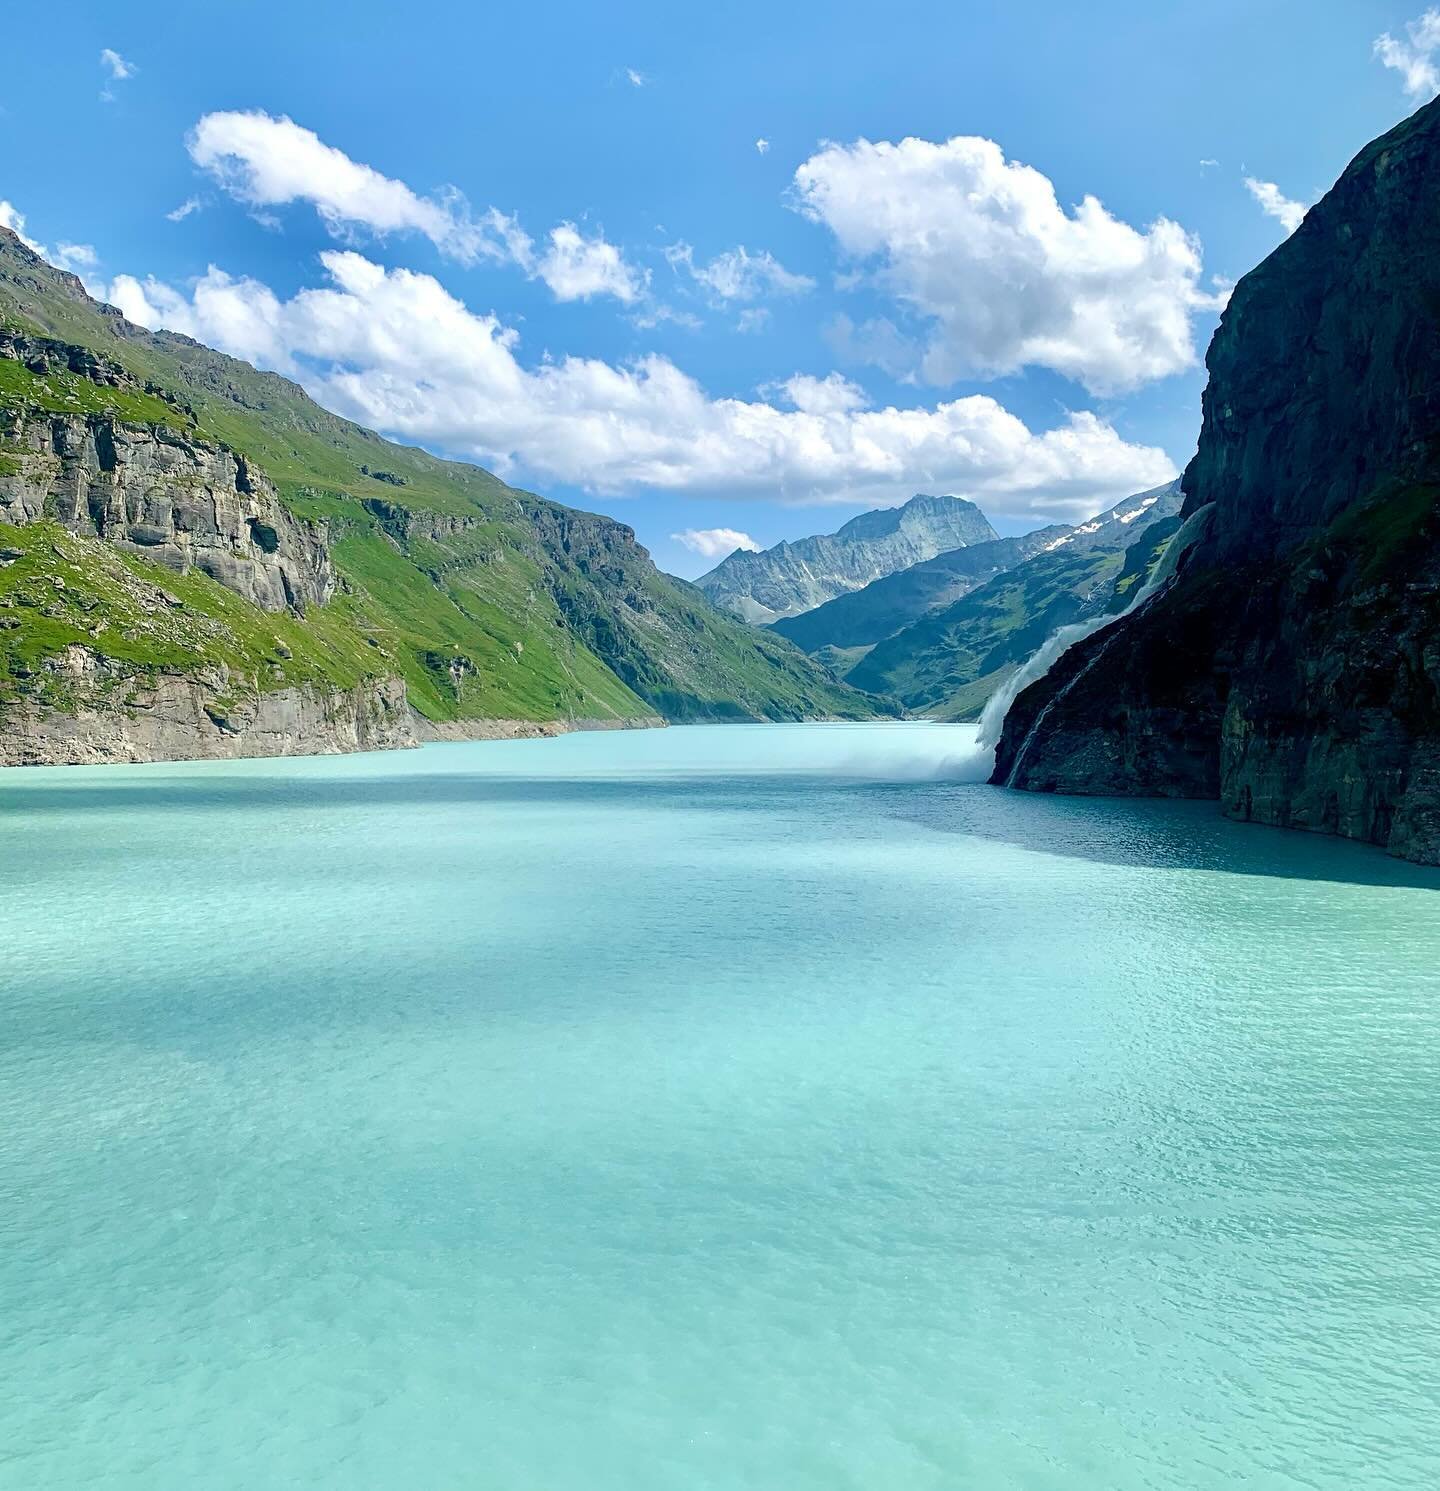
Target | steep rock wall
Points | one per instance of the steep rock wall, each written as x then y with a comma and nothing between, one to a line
1293,670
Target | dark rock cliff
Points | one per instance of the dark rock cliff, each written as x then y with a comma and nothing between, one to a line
1293,667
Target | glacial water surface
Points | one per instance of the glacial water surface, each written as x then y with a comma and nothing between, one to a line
706,1109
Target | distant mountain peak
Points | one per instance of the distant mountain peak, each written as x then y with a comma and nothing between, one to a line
797,575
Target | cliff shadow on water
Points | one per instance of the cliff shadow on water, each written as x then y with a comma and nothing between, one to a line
862,789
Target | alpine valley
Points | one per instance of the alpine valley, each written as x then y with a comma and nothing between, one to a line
196,560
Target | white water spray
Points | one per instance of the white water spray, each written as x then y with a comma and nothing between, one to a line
1058,643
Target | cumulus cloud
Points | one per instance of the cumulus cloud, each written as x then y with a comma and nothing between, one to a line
1414,57
267,162
579,268
1273,203
738,274
715,543
1002,276
833,394
395,350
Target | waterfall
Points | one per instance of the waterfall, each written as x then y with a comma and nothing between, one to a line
1040,662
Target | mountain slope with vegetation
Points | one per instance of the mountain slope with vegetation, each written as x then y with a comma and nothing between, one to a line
306,545
947,664
793,577
886,606
1292,669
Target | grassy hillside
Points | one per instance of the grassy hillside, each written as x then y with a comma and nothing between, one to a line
491,602
949,663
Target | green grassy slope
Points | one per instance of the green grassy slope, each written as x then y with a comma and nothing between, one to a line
949,663
491,602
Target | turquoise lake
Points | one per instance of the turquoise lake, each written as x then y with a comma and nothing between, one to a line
705,1109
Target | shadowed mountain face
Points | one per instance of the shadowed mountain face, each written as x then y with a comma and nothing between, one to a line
196,559
1293,668
886,606
795,577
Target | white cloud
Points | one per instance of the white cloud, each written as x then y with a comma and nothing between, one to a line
738,274
635,78
1273,203
180,213
395,350
715,543
762,145
833,394
578,268
77,257
1208,163
752,319
118,68
11,217
981,250
655,313
1414,58
268,162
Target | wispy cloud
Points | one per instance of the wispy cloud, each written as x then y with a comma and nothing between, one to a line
1414,56
180,213
763,145
738,274
635,77
1274,203
118,68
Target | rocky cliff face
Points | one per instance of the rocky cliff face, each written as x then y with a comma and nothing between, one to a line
112,714
794,577
1293,668
154,490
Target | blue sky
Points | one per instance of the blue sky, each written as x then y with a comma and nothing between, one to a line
515,235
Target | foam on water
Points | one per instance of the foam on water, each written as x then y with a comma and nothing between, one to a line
712,1108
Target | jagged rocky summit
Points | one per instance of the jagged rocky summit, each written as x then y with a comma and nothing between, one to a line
794,577
1292,669
197,560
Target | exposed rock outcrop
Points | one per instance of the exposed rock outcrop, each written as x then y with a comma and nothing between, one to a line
1293,669
116,715
794,577
183,502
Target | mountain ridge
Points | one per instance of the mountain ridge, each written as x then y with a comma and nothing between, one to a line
794,576
886,606
200,474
